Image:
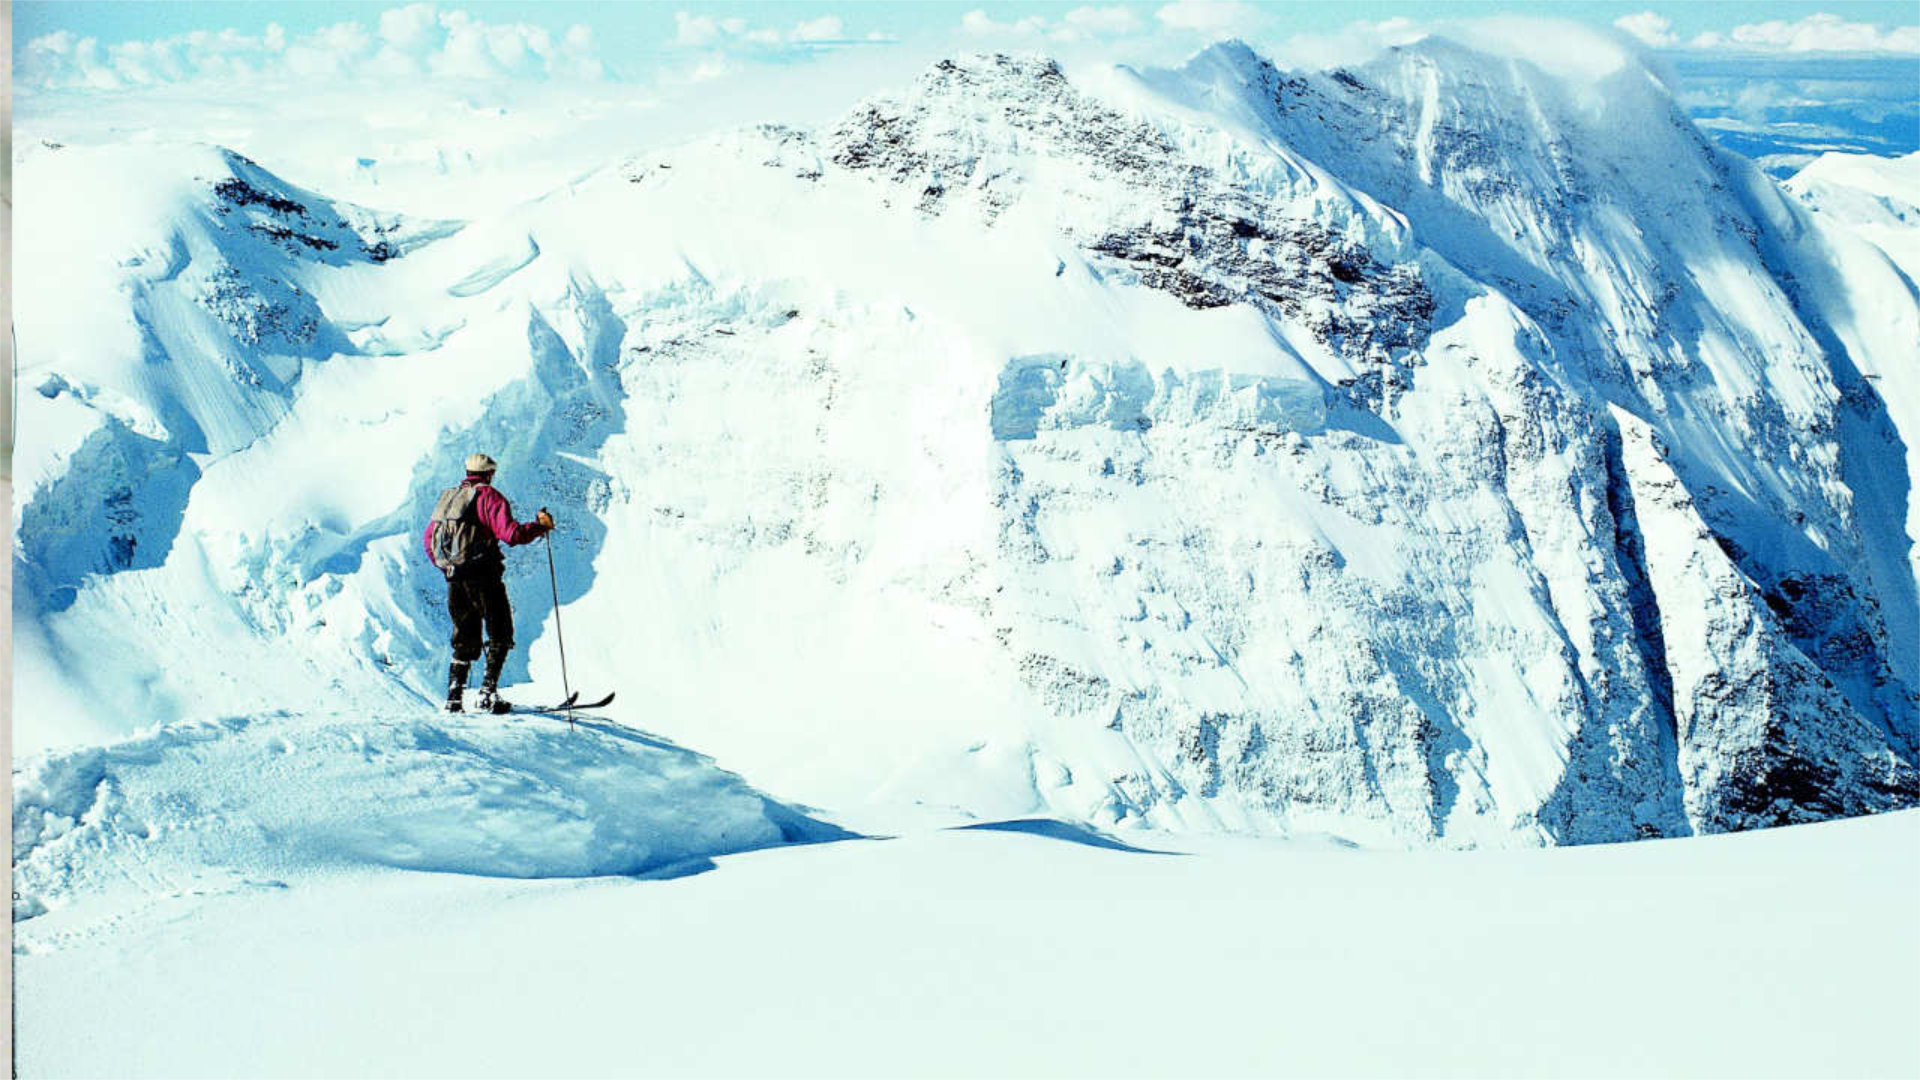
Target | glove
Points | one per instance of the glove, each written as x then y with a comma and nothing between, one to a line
544,519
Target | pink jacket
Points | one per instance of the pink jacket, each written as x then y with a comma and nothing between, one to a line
496,515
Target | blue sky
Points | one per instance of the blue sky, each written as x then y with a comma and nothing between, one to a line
641,25
1779,81
632,38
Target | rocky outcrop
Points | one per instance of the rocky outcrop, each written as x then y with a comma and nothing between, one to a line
1765,736
972,131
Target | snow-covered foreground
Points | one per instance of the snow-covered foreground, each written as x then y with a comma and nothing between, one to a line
1034,948
201,808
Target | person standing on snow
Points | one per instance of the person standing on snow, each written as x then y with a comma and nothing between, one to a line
469,524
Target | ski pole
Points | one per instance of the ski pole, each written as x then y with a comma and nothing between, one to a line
554,579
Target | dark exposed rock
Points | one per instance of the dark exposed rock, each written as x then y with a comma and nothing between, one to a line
275,231
1210,242
234,191
282,314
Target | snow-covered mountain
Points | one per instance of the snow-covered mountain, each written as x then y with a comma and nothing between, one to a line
1878,197
1436,451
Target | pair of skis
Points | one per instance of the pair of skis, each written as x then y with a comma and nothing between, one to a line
572,703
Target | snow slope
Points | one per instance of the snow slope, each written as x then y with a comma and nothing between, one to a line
1034,949
1877,197
1441,451
209,807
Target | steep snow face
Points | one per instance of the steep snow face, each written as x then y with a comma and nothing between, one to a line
1877,200
1731,672
171,321
1664,271
1433,452
1671,281
199,325
1690,329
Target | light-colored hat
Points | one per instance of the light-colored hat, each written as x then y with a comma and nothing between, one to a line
479,463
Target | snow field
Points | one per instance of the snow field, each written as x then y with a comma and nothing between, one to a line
1037,949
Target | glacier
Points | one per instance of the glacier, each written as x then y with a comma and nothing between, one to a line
1437,451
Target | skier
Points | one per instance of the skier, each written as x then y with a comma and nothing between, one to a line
463,539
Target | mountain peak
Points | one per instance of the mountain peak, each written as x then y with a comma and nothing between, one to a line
1232,51
1411,452
976,71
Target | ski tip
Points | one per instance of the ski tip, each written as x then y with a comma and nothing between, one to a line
564,708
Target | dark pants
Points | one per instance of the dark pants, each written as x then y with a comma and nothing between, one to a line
476,602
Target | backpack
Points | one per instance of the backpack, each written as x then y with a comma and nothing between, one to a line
458,537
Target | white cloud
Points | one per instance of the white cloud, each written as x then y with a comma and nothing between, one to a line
1655,30
1081,24
695,31
466,53
1216,18
1102,22
312,61
1570,50
735,34
980,24
1823,32
409,41
724,47
347,39
412,29
710,68
824,28
1355,43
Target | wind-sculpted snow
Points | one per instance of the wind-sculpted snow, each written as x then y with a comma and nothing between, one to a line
267,802
1058,393
1431,451
192,343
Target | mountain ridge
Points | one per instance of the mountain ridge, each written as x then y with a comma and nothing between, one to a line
1225,466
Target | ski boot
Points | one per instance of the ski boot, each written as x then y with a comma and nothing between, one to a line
490,699
457,684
